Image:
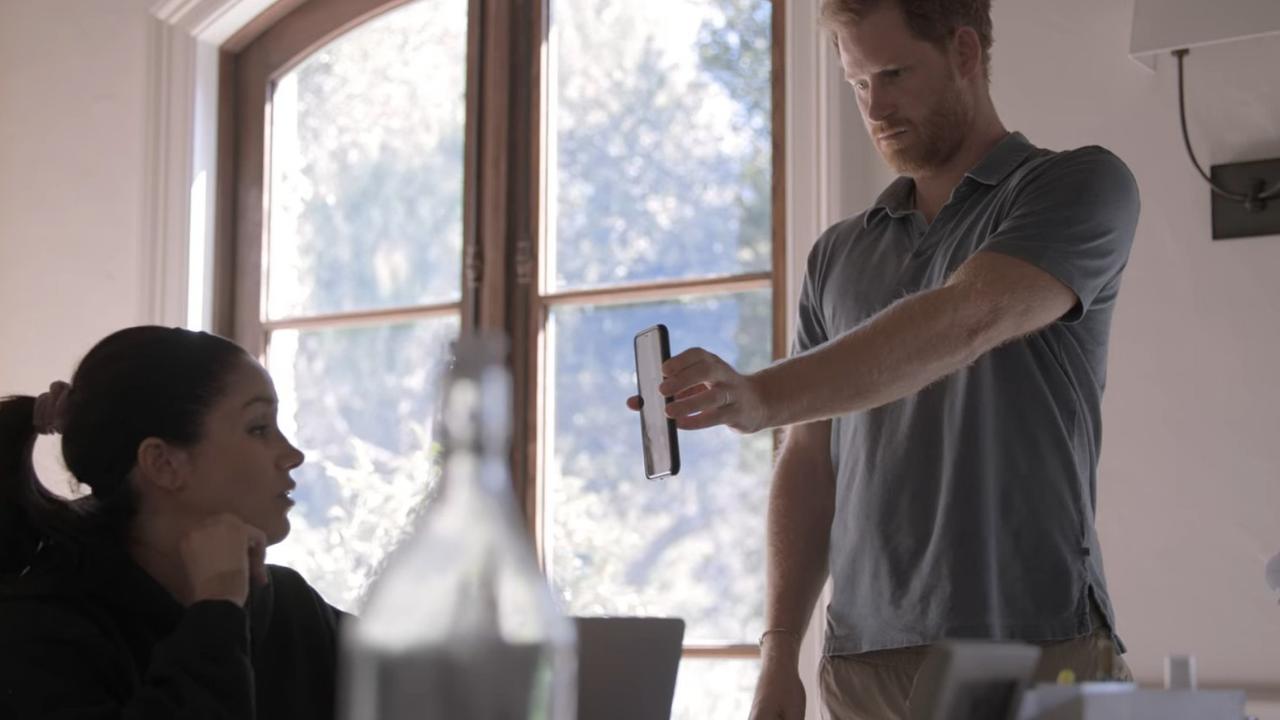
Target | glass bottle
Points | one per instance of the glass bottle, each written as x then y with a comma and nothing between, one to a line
462,625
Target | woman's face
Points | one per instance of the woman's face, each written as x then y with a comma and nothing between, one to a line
242,463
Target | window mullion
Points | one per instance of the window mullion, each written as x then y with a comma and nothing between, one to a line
505,125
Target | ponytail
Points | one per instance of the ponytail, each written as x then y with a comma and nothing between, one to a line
29,513
137,383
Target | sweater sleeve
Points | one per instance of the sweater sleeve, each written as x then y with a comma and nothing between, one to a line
59,664
302,599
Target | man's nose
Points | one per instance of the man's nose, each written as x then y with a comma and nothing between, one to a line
879,104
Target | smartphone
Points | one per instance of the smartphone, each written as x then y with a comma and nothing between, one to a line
657,431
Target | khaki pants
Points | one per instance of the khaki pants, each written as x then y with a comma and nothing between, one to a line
877,685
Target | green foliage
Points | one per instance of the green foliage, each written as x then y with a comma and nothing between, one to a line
663,168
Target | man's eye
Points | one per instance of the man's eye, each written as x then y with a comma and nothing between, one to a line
259,430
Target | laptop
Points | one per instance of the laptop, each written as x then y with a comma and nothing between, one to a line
627,667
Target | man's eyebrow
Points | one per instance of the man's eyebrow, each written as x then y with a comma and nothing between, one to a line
260,399
882,70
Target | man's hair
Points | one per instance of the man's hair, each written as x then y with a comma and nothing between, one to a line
933,21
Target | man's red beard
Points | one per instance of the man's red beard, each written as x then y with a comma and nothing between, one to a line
929,145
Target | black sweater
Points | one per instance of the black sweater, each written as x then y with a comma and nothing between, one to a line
91,636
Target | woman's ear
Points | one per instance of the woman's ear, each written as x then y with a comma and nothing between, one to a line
161,465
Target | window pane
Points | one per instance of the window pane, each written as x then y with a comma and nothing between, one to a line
691,546
361,403
367,166
708,688
662,129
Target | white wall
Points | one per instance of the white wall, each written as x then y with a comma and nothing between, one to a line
1190,474
72,158
73,80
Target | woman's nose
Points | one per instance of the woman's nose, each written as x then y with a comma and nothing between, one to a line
293,457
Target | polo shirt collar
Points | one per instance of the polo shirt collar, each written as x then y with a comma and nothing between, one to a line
1008,154
1002,159
897,200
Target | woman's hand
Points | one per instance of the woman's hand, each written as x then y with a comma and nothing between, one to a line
221,555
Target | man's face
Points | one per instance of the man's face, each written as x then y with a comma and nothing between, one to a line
912,101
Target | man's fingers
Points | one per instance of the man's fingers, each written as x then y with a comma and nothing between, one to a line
693,377
635,402
698,401
691,391
687,359
707,419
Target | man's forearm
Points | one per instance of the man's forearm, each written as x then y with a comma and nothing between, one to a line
801,506
898,352
989,300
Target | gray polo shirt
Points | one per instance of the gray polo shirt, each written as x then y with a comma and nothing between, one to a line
967,509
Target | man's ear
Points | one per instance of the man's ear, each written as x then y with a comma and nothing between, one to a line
966,52
162,465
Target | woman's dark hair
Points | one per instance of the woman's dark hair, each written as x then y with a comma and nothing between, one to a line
137,383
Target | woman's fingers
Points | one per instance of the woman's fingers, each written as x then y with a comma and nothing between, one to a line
257,541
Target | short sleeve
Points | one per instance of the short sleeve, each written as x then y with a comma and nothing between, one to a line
1074,218
811,327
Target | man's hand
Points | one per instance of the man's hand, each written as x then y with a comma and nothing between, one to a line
779,691
709,392
221,555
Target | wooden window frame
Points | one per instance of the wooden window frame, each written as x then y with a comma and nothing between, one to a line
535,300
251,62
504,205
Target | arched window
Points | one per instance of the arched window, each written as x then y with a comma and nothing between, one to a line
567,171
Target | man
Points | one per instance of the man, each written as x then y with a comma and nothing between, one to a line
943,397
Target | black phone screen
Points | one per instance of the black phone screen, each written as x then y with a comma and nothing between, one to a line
658,432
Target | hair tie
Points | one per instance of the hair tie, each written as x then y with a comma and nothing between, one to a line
50,412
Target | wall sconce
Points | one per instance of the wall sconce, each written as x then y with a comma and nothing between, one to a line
1245,196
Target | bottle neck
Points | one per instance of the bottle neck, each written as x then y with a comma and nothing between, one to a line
477,427
473,475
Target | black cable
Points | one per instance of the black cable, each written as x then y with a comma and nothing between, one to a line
1249,199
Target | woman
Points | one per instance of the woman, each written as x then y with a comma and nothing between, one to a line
149,597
